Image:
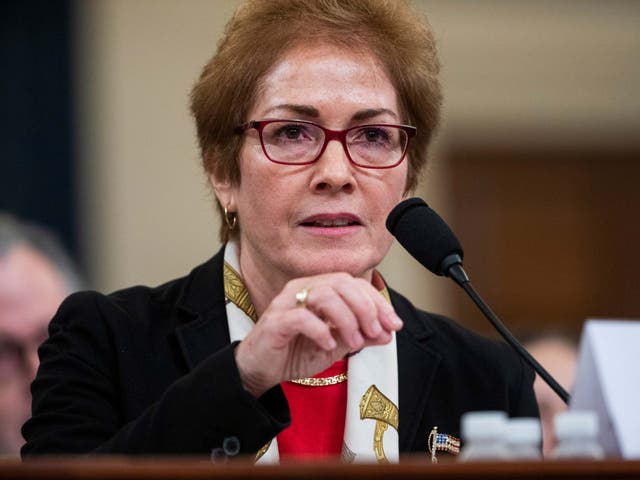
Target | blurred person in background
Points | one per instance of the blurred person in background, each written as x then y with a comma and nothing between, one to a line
313,119
36,275
558,354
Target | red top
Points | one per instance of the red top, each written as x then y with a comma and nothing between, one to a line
317,417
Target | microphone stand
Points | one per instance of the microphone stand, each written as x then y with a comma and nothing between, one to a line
452,268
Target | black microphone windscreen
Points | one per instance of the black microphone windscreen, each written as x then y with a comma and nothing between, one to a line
423,233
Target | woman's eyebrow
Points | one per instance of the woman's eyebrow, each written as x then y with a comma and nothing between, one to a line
312,112
371,113
306,110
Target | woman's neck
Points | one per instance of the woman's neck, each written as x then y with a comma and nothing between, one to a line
263,282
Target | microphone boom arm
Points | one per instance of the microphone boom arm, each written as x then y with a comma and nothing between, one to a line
452,267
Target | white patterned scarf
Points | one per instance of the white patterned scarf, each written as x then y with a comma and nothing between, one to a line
372,385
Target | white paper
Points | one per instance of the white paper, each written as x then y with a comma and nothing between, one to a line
608,382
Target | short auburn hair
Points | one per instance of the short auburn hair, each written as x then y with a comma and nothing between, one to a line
261,32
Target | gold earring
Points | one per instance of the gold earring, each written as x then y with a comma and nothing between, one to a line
230,218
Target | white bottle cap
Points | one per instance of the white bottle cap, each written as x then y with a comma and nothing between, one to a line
524,431
576,424
483,425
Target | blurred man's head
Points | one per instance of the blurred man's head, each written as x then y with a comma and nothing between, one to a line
35,276
558,355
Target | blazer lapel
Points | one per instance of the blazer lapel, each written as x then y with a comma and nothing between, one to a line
417,366
202,304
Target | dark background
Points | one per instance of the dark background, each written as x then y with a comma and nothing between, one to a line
37,179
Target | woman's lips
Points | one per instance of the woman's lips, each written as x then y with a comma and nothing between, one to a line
331,220
332,224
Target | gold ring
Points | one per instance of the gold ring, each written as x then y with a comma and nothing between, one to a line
301,298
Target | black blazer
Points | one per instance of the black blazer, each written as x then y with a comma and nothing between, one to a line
151,370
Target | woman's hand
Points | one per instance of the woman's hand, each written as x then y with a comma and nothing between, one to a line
341,314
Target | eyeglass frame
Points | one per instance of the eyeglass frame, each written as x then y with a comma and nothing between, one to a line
329,134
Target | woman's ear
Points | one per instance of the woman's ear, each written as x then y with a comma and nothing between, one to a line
224,190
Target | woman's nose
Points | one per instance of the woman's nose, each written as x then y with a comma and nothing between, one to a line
333,172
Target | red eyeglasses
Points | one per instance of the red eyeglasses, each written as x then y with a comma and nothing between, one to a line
300,142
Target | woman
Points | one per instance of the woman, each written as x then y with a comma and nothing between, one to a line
287,343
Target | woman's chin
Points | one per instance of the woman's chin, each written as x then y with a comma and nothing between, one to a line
354,264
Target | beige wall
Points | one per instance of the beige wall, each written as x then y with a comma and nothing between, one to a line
147,213
558,71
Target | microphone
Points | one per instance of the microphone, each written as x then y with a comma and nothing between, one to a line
426,236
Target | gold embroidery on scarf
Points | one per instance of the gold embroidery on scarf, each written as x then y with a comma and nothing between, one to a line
375,405
263,450
385,293
237,293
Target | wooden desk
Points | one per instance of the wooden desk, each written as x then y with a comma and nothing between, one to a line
126,468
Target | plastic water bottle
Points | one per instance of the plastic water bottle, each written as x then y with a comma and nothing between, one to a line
484,436
577,434
524,436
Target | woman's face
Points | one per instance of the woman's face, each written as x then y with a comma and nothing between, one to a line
328,216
